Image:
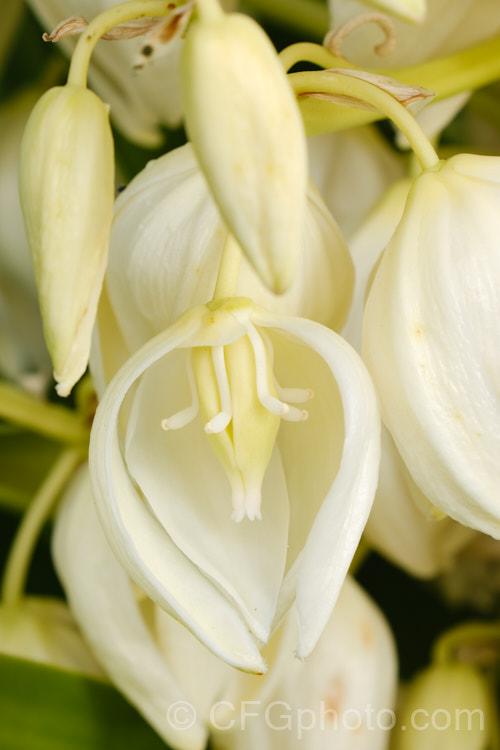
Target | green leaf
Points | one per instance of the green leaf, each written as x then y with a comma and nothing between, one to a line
44,708
25,459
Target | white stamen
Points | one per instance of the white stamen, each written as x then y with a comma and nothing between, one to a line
185,416
294,395
274,405
222,419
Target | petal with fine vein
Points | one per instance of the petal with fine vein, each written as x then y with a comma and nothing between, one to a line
339,523
136,536
101,598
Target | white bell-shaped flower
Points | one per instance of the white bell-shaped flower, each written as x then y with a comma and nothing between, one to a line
165,499
342,694
166,221
431,339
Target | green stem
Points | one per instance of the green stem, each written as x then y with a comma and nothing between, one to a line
447,647
104,22
33,520
229,269
311,53
336,84
51,420
469,69
308,16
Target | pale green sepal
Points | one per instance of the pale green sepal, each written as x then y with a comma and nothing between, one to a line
138,539
67,192
246,130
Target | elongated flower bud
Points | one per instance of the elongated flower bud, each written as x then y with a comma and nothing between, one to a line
67,192
247,133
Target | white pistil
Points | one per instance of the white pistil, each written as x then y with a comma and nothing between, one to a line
274,405
185,416
222,419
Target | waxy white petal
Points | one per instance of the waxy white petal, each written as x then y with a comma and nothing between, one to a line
166,220
102,599
345,504
431,338
188,492
473,22
316,705
137,537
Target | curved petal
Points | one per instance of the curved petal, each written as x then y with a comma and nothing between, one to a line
138,539
344,510
431,338
246,560
398,529
413,11
166,220
366,247
339,698
103,602
353,162
43,630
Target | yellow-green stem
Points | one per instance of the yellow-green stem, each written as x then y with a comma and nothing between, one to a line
448,645
105,21
32,522
229,269
336,84
311,53
467,70
52,420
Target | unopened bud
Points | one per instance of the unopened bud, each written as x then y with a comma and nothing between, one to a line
246,130
447,707
67,193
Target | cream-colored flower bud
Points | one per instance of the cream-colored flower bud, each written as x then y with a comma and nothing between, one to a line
447,707
67,192
247,133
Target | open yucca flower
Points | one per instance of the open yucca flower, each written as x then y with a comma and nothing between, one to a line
159,666
430,338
